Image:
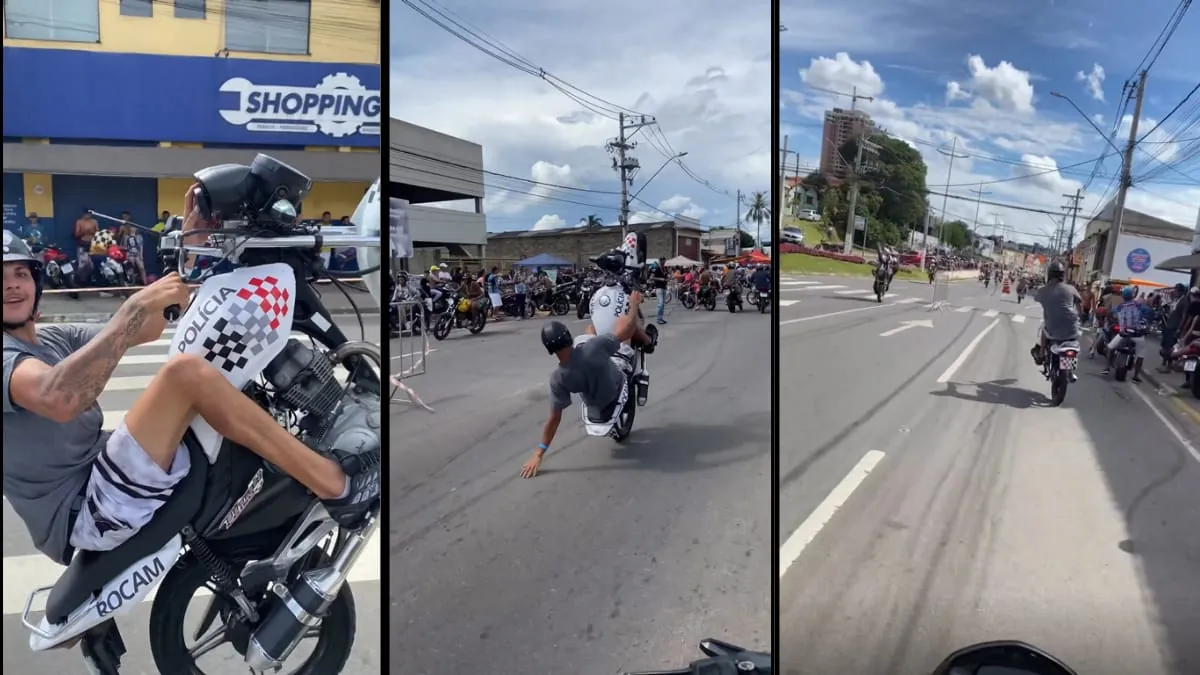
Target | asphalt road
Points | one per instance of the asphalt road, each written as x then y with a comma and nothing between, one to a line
615,556
25,569
930,499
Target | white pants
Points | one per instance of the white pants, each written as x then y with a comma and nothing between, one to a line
1139,345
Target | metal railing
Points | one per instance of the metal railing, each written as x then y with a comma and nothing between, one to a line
411,349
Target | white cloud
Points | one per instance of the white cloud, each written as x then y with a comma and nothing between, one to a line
683,206
1093,81
841,73
549,222
709,87
1003,86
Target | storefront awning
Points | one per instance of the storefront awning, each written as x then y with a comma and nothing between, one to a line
1180,263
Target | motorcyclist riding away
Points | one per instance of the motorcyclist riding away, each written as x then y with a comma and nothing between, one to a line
1060,310
1130,315
761,278
79,487
585,367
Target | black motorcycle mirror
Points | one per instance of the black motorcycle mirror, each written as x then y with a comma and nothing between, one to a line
1002,658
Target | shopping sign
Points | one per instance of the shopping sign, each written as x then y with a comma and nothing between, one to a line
338,106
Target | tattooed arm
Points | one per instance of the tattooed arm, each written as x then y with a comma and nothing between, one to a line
61,392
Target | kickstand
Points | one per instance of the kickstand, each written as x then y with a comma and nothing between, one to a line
103,648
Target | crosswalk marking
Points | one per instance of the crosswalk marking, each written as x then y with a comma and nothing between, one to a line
907,301
827,287
855,291
798,283
967,308
990,313
788,303
1018,318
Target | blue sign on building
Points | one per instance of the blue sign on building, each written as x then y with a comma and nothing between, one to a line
98,96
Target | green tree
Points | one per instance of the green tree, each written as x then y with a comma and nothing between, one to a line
592,221
956,234
747,239
759,212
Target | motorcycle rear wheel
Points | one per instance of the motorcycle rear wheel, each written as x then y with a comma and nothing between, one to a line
478,324
168,619
1119,373
624,425
710,304
561,307
1058,389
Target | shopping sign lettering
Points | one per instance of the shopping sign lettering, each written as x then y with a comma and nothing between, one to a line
338,106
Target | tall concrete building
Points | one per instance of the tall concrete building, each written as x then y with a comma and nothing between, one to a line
840,127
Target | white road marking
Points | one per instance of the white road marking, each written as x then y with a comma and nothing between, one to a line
24,573
1167,423
1018,318
820,517
906,301
799,283
839,313
889,295
990,313
829,287
945,377
906,325
855,291
788,303
964,309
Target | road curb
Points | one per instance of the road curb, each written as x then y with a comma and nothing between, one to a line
100,317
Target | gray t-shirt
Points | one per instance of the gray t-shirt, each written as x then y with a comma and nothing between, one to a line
590,373
1059,310
47,464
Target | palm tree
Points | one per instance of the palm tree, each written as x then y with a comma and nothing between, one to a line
591,221
759,212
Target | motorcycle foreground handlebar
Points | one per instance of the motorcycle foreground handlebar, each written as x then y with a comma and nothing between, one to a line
1006,657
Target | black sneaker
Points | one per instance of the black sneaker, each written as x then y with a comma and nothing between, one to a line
354,442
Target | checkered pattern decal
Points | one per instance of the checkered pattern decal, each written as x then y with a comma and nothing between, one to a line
251,326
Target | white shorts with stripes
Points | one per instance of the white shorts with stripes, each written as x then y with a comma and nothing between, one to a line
125,490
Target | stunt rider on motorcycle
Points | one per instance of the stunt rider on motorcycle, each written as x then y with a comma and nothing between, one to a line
1060,311
79,487
585,367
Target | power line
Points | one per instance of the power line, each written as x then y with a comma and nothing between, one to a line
456,165
492,47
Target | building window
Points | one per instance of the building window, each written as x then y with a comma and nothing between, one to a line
56,20
189,9
267,26
142,8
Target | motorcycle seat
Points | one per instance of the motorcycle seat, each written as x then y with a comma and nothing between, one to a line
89,571
603,416
1056,347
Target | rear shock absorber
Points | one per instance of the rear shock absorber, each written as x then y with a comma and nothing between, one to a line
220,572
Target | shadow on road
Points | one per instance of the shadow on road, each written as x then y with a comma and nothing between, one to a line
1001,392
694,447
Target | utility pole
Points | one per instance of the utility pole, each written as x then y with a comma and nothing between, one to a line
623,164
848,244
737,207
979,194
1114,231
1074,209
782,208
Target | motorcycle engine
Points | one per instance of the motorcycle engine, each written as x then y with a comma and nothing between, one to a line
304,383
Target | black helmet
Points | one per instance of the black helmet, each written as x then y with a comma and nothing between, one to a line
556,336
16,250
1055,270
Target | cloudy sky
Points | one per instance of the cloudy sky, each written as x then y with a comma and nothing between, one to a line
702,67
982,73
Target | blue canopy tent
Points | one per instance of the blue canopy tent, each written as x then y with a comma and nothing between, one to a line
543,260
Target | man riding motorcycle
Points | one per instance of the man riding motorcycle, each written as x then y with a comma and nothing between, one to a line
1060,311
1130,314
79,487
585,367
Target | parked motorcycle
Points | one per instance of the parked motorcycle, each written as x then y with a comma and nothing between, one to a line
508,305
1007,657
251,540
458,315
1190,357
57,268
587,287
1126,351
112,267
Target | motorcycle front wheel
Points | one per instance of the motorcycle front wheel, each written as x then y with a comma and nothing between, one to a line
561,306
441,329
169,616
711,303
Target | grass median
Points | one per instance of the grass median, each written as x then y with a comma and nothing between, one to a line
801,263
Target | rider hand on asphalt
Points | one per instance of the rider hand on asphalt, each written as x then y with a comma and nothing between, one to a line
169,290
531,467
